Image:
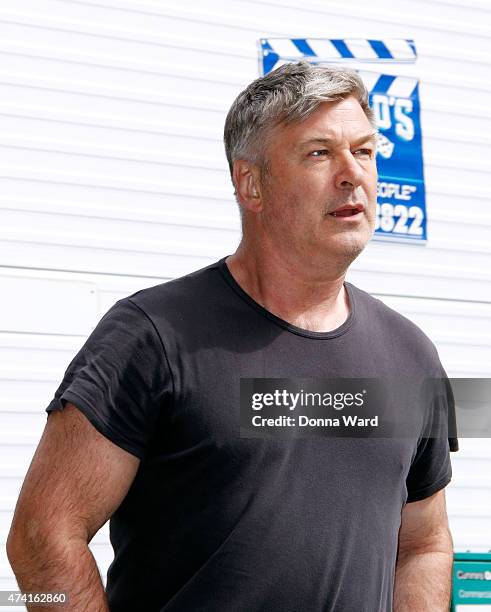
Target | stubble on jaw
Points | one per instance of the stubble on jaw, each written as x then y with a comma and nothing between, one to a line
290,241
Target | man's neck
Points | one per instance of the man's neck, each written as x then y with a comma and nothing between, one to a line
314,304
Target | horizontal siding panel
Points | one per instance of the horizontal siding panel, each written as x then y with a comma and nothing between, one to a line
426,284
113,234
82,139
397,18
172,108
214,93
55,118
453,312
19,181
21,429
477,501
463,327
257,14
30,396
59,306
182,211
103,46
173,259
474,448
463,368
102,79
219,214
48,180
480,467
416,260
50,121
17,56
169,107
104,261
84,153
191,206
110,288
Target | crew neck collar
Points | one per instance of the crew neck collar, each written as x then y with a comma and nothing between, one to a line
224,269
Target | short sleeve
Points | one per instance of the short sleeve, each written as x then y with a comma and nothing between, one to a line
431,468
120,378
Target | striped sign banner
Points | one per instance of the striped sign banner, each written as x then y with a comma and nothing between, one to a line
333,50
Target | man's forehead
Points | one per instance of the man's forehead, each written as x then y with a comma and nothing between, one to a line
357,136
332,120
355,132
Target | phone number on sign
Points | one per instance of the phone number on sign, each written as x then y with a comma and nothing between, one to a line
399,219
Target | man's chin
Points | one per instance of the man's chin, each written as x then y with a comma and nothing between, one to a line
349,246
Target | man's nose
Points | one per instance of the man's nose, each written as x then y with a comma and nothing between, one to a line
348,172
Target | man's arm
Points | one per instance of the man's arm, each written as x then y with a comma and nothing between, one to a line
424,560
76,480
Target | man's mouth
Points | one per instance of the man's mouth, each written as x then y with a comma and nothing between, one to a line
350,210
345,213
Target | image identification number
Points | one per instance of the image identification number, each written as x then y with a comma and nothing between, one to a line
16,597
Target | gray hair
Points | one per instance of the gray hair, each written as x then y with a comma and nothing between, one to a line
288,94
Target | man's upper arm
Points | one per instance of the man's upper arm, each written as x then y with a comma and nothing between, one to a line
424,526
75,482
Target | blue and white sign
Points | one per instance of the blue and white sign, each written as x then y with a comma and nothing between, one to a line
401,207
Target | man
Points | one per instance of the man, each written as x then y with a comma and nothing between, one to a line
144,428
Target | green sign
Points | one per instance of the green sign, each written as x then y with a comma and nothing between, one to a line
471,582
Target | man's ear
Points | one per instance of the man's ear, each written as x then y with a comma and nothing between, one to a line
246,179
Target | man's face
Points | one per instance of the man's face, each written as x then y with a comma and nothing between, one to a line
315,167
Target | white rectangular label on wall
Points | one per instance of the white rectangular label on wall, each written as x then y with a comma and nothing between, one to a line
47,306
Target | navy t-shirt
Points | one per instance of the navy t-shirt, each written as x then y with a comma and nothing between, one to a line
217,522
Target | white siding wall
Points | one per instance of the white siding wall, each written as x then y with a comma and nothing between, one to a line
113,178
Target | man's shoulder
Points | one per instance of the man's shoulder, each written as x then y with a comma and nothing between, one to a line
392,324
181,293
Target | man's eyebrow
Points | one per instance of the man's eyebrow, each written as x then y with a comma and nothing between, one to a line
370,136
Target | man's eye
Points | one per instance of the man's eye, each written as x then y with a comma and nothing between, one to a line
364,152
319,153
